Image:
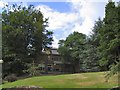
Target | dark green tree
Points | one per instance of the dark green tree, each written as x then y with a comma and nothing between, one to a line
73,48
110,39
91,56
65,53
24,36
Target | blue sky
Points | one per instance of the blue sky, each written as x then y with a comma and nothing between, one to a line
56,5
67,17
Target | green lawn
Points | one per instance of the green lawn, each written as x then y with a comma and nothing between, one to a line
82,80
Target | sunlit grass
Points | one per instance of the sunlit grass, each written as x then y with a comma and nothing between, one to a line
81,80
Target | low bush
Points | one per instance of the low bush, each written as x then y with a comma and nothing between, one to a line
11,78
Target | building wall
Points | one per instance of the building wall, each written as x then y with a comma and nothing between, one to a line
54,62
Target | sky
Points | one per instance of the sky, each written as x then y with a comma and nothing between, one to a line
67,16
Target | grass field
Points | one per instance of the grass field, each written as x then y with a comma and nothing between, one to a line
82,80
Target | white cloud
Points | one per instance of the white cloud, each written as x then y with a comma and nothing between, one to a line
86,26
88,12
55,43
57,20
80,18
2,4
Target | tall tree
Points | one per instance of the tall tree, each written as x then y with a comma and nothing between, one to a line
24,34
74,46
110,39
91,56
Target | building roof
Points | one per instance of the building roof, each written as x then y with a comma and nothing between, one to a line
52,51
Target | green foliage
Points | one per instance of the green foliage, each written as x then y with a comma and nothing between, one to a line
114,69
82,50
110,39
64,51
72,49
90,59
24,35
91,54
99,51
32,69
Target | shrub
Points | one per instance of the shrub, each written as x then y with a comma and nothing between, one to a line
32,69
11,78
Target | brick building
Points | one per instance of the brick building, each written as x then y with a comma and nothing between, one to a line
52,61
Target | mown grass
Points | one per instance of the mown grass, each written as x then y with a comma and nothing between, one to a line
82,80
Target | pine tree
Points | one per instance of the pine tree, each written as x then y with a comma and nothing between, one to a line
110,39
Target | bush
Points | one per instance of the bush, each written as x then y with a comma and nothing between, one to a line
32,70
11,78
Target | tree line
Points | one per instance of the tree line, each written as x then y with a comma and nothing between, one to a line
100,51
24,36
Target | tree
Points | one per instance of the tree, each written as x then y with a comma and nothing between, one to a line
73,49
110,39
65,53
91,56
24,35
